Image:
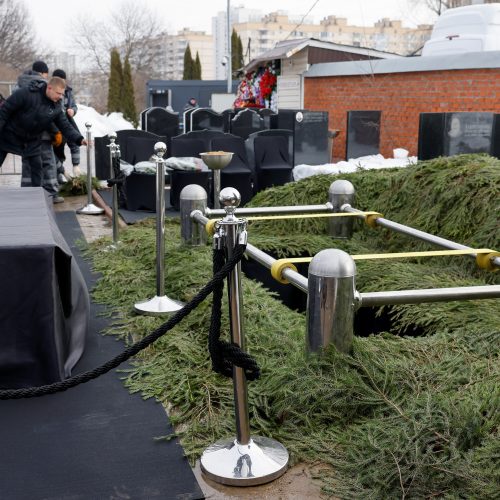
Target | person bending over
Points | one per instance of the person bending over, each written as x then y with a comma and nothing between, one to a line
26,114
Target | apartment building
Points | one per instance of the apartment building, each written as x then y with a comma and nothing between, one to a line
169,52
260,33
62,60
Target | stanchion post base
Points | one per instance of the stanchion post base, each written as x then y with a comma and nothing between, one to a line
260,461
158,306
90,209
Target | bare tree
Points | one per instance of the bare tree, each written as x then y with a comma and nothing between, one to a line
129,28
16,35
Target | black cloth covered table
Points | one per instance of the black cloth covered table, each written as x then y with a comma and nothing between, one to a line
44,302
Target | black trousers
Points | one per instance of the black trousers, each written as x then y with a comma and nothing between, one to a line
35,162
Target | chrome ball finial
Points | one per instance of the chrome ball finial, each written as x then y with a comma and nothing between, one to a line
230,199
88,125
160,149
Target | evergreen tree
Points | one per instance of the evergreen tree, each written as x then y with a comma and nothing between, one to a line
188,64
128,99
236,52
197,68
115,83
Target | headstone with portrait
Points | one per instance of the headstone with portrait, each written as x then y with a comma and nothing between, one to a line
468,133
310,134
448,134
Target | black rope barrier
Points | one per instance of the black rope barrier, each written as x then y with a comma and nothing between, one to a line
224,354
217,279
118,180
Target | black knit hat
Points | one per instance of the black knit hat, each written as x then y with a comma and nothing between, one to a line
60,73
40,67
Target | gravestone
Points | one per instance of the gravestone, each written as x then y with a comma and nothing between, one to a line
448,134
206,118
468,133
266,114
159,121
246,122
310,134
363,133
142,118
102,160
227,116
430,135
133,141
495,140
186,120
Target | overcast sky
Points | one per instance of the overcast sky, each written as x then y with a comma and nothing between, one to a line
53,26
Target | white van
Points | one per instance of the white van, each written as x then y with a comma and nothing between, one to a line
474,28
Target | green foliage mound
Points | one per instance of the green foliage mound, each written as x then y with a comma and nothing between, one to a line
402,417
76,186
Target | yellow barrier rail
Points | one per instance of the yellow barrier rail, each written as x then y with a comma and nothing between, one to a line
483,259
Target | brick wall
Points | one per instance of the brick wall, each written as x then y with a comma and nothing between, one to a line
401,97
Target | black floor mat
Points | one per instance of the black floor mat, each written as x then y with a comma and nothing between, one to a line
131,217
95,441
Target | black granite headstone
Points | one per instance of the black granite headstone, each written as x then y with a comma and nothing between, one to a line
363,133
102,158
142,118
227,116
129,149
430,135
159,121
266,114
246,122
310,134
186,120
448,134
205,118
468,133
495,138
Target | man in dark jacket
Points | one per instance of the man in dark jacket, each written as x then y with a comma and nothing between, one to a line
39,71
70,108
26,114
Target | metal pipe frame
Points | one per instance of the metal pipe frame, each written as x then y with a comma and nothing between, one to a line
303,209
296,279
416,233
376,298
373,299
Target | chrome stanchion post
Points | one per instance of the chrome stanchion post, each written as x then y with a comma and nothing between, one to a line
192,197
160,304
331,301
340,193
114,155
90,208
216,161
245,460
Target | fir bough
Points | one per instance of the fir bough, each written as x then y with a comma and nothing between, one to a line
403,416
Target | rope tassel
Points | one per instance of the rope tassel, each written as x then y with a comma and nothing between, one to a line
224,354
